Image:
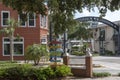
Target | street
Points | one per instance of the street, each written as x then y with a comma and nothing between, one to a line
108,64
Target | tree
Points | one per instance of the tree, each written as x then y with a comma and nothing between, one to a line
9,32
35,52
81,30
61,11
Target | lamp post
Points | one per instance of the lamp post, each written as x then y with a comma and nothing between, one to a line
66,55
64,41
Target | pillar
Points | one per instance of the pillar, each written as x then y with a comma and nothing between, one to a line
88,62
66,59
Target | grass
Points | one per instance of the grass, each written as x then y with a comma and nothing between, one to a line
8,64
95,54
101,74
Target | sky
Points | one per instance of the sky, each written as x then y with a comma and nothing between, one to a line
111,16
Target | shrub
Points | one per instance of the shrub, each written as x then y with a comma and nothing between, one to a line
95,53
2,71
78,53
75,48
49,72
30,73
62,71
109,53
101,74
35,52
15,73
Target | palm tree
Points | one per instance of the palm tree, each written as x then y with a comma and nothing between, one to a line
35,52
9,32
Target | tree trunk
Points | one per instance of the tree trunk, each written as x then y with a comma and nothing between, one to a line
11,48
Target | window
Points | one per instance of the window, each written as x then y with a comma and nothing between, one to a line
5,15
43,21
102,35
22,22
31,20
18,47
44,40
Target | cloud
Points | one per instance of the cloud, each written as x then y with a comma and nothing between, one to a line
111,16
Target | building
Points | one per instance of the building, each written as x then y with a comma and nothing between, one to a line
105,38
32,31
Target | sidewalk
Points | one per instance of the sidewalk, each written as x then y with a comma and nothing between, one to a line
104,78
111,67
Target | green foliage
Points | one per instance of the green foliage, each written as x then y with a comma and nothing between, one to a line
75,48
14,73
49,72
35,52
95,54
25,72
9,32
108,53
102,74
26,6
78,53
61,11
80,31
7,65
62,71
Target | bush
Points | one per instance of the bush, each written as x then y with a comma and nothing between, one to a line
62,71
101,74
75,48
78,53
109,53
49,72
15,73
95,53
35,52
30,73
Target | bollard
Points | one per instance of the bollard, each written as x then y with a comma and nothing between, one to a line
66,59
88,63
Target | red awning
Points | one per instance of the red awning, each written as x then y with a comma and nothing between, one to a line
55,42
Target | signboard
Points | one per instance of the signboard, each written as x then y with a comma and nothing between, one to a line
55,51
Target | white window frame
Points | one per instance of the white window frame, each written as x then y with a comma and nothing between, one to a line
13,43
19,22
34,20
44,37
43,21
2,17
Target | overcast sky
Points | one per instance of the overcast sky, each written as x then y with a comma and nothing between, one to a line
112,16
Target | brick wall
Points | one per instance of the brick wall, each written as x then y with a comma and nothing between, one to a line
31,35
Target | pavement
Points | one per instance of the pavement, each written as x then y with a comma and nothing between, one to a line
109,64
101,78
106,63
